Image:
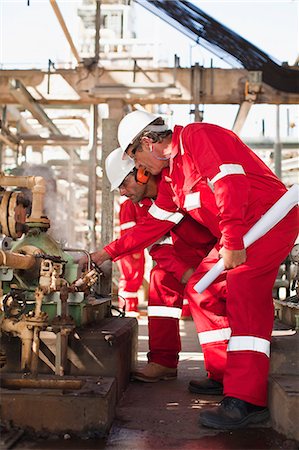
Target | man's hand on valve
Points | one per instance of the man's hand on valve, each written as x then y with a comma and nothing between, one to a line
98,258
232,258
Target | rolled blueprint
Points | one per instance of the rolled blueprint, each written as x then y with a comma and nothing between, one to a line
274,215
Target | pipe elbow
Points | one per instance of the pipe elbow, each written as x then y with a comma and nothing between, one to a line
39,185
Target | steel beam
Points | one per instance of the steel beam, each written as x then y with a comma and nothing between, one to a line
63,141
241,116
14,115
277,146
92,191
65,30
218,86
24,97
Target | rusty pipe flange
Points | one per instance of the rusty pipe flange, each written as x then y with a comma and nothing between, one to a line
13,213
66,324
40,321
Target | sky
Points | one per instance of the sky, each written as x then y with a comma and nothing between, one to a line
30,35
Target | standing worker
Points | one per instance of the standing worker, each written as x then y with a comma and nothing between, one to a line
222,184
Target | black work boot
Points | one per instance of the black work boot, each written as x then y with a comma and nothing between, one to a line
206,386
233,413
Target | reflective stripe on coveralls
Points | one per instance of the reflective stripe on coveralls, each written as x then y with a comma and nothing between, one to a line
127,294
228,169
164,311
236,343
251,343
206,337
127,225
162,214
167,240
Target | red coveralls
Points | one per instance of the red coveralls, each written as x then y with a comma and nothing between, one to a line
173,255
131,266
222,184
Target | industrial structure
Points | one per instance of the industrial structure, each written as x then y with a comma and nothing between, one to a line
59,330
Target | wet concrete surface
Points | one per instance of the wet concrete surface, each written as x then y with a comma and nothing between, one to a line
120,439
164,415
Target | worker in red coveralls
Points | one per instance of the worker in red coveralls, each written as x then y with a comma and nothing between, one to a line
213,176
132,266
175,257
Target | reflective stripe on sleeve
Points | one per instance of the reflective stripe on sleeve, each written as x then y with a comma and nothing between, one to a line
164,311
162,214
254,344
126,294
126,225
228,169
181,145
206,337
165,240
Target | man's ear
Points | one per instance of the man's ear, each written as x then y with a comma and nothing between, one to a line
146,140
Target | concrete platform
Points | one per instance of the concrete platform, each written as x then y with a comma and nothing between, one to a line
87,403
100,358
164,415
284,381
284,404
107,349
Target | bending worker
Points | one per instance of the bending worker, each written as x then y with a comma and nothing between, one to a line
175,256
214,177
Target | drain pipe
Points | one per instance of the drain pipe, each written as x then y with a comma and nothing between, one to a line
20,329
37,322
28,330
62,325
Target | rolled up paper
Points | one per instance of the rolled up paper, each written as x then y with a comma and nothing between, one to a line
271,218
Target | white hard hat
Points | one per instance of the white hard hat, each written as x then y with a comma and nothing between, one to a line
133,124
118,168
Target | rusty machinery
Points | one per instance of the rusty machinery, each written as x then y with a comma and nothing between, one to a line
39,286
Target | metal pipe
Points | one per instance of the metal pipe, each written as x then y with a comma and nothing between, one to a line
16,260
5,140
62,335
80,250
23,96
196,91
29,383
38,193
277,145
37,185
19,328
92,176
36,332
97,31
63,141
65,30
